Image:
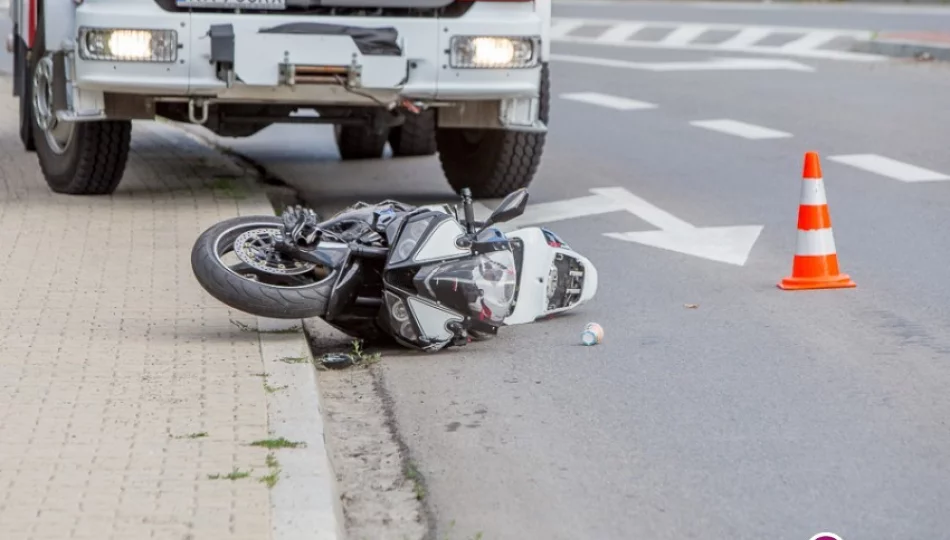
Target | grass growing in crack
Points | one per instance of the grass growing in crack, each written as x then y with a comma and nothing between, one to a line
478,535
233,475
273,444
247,328
294,360
271,389
271,479
268,388
412,474
193,435
241,326
360,356
291,330
228,187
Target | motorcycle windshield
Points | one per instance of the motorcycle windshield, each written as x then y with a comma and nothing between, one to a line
484,285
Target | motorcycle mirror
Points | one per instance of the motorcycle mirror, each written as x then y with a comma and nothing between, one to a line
511,207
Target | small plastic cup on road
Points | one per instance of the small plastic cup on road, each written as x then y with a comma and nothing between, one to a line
592,334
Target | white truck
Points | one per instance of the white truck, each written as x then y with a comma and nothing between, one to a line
467,79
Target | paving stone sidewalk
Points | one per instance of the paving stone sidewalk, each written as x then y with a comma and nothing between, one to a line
112,357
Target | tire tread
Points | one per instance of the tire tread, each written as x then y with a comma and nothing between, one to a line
250,297
508,163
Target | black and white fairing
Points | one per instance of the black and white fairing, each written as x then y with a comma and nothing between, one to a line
439,284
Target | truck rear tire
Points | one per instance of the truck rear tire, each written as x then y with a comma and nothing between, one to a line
416,136
358,142
84,158
492,162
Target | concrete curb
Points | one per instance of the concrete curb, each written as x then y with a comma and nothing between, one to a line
903,49
305,501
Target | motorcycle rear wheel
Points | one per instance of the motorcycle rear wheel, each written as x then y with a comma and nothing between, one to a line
287,293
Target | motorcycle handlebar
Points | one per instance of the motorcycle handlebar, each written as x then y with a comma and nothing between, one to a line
369,252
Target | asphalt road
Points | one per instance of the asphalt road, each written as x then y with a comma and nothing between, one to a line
759,414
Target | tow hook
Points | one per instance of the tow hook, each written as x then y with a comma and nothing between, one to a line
203,103
410,106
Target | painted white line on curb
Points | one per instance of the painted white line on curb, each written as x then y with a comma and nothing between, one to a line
304,502
891,168
605,100
740,129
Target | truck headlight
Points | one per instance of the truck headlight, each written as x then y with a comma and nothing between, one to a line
494,52
128,45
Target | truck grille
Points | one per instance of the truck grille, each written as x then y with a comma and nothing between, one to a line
455,9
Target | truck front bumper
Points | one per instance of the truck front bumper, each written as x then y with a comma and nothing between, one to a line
299,58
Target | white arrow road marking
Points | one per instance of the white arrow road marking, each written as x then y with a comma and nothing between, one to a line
730,245
549,212
567,209
613,102
715,64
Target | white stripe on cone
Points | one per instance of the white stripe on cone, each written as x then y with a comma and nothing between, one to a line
813,192
816,242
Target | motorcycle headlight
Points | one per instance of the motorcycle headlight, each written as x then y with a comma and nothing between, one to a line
496,280
408,241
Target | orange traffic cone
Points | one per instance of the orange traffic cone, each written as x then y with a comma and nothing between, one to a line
816,259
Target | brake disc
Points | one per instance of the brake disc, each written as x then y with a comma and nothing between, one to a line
256,248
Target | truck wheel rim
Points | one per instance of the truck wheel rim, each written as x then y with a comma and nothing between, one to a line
58,134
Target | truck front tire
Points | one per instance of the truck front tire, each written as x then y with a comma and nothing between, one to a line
416,135
87,158
359,142
492,162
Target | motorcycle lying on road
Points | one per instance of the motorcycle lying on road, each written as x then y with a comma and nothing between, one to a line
423,276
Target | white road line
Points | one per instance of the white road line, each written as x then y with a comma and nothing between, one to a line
612,102
803,53
740,129
715,64
844,32
620,32
561,27
892,168
811,40
684,34
746,37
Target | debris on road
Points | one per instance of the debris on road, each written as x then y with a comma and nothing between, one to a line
337,360
691,306
593,334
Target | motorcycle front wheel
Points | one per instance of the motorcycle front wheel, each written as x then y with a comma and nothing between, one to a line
236,263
